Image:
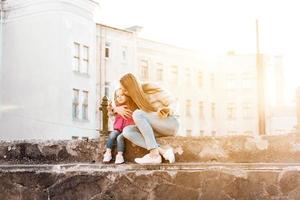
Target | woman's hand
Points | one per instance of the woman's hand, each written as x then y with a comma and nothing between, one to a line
164,112
123,111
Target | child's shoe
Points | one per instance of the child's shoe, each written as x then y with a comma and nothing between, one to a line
107,157
119,159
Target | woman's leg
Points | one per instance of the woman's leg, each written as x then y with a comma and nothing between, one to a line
145,128
133,134
142,133
164,126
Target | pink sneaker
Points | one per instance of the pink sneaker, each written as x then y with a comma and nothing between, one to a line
147,159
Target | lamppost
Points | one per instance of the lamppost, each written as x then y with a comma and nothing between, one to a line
298,111
260,87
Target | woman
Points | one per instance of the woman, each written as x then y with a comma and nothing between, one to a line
157,112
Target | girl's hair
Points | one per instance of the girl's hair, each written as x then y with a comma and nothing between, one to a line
129,102
136,92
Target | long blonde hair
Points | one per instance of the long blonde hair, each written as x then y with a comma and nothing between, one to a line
136,92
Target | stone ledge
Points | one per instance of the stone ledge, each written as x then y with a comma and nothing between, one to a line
174,181
239,149
87,167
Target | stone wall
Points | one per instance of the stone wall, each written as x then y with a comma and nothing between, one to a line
233,149
95,182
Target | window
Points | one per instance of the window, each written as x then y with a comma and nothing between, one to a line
124,53
212,80
188,132
231,111
85,105
188,109
247,111
201,132
85,60
248,133
75,108
213,110
247,81
159,72
187,75
231,82
232,132
76,63
174,74
107,50
200,79
213,133
201,110
144,70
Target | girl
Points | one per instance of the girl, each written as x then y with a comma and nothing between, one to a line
119,123
158,111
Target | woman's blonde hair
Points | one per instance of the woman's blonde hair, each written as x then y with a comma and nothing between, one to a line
129,102
137,93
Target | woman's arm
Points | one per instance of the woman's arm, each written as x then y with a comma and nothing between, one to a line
123,111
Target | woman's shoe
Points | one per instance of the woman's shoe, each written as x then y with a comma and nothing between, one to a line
107,157
169,155
147,159
119,159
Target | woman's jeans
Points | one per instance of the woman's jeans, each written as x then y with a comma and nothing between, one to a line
142,133
113,136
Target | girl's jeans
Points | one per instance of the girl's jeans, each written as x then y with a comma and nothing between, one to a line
113,136
142,133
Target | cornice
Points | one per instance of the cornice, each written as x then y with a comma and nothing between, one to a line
15,9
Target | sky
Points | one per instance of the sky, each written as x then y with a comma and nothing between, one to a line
216,26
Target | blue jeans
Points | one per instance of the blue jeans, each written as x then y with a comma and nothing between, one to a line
113,136
142,133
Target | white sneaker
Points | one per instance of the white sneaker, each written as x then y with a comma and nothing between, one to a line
169,155
119,159
107,157
147,159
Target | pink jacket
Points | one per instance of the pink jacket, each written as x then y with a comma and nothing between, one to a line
121,123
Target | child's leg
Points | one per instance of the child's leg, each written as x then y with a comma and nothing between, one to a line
111,138
109,145
120,143
121,148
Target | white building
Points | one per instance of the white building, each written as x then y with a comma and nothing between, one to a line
180,71
48,67
58,64
116,55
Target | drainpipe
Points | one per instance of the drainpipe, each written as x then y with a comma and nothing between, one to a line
298,111
1,27
260,87
1,38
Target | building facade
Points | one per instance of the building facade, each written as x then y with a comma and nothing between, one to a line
48,87
58,63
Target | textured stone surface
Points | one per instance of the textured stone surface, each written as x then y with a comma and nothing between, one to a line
49,151
238,149
181,181
229,149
